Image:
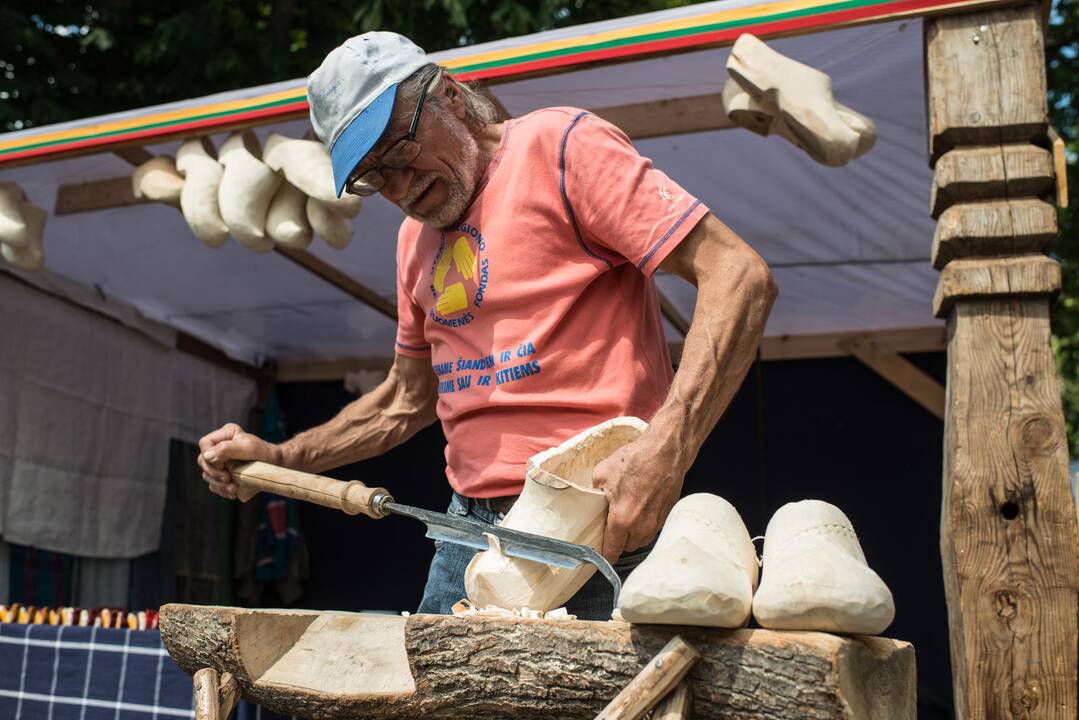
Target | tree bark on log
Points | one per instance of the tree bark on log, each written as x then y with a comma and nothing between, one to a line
345,665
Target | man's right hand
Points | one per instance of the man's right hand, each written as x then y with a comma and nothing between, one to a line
230,442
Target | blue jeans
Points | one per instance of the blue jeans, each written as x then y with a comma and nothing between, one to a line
446,579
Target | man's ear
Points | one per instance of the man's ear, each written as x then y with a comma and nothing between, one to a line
452,97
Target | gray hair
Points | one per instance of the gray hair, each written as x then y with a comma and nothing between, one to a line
479,110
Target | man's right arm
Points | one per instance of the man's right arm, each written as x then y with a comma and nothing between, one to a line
386,417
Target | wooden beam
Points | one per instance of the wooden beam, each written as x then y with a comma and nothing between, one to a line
339,664
95,195
990,172
988,79
1008,524
677,705
673,314
783,347
134,155
697,113
823,345
902,373
340,280
658,678
318,370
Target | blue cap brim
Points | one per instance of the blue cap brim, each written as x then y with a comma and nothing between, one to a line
360,136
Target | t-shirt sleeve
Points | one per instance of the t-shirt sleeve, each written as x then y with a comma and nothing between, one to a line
410,316
619,202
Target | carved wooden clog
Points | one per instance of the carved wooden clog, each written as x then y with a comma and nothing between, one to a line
558,501
702,571
198,196
816,576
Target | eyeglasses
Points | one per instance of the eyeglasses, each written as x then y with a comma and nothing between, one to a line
400,155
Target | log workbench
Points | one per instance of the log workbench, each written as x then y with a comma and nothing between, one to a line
349,665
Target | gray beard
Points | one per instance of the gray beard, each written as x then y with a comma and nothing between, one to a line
459,189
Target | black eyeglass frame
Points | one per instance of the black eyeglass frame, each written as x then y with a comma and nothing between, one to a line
374,173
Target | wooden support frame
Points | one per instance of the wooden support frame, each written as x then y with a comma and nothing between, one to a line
1009,535
784,347
902,373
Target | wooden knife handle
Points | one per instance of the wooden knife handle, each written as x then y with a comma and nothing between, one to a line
350,497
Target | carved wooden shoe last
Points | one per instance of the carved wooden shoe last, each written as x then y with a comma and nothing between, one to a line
247,187
198,196
772,94
702,571
558,501
815,576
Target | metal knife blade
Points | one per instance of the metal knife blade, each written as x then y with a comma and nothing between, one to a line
514,543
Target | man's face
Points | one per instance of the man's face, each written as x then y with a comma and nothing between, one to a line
437,187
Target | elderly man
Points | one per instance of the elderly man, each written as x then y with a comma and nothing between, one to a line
526,303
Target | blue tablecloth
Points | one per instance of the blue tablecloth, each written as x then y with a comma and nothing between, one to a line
62,673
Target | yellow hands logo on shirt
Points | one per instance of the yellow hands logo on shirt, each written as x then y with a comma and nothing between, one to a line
457,270
452,299
464,259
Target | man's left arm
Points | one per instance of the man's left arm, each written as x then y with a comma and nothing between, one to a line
735,292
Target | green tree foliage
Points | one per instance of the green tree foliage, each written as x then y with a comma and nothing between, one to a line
1062,55
63,60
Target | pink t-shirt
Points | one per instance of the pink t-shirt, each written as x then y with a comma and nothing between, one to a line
539,311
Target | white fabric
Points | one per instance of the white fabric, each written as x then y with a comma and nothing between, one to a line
87,407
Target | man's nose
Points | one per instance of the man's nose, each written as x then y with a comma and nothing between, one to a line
398,181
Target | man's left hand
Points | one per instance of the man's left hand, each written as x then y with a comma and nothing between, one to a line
642,484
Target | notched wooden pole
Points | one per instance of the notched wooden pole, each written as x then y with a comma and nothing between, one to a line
1008,525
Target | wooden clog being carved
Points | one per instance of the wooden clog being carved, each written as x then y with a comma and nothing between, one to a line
436,667
702,571
558,501
816,576
286,220
247,187
31,255
198,197
772,94
307,165
333,228
158,180
13,229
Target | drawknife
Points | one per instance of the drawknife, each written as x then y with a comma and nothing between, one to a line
353,497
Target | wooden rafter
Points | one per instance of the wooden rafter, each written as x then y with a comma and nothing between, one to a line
340,280
786,347
902,373
659,118
95,195
134,155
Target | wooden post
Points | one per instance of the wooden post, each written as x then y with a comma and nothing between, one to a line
1008,526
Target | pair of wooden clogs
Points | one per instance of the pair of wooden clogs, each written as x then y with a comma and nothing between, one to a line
703,571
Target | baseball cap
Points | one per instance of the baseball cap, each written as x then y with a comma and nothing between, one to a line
352,92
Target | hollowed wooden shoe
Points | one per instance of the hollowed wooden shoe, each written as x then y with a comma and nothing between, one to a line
558,501
815,576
